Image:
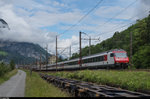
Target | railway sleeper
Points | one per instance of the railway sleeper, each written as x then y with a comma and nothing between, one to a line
82,89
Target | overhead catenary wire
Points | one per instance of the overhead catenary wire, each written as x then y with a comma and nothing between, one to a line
118,13
123,25
82,17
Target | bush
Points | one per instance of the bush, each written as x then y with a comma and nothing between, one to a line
12,65
4,69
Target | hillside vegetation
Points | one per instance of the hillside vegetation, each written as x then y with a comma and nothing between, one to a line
141,43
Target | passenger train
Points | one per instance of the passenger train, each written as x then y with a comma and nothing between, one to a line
116,58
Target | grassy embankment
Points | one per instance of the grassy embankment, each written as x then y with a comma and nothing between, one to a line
131,80
8,75
37,87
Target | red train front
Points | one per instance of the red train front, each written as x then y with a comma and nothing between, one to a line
120,58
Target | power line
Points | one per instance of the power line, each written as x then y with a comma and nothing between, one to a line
118,13
133,17
83,17
123,25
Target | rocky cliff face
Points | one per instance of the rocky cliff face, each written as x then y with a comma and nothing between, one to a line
21,52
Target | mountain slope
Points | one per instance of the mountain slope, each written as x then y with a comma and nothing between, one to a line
21,52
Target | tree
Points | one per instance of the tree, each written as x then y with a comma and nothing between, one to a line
142,57
148,29
12,65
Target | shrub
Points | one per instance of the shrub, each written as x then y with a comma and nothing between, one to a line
12,65
4,69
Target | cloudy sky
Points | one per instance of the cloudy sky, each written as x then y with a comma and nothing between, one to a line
39,21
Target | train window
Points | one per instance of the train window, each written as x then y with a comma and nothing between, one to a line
85,61
112,55
76,62
99,59
94,59
89,60
102,58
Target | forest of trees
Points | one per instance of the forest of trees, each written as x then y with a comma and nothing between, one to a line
141,43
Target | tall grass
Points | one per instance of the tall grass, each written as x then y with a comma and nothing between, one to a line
131,80
37,87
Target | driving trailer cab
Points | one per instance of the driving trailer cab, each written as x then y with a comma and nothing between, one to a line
119,58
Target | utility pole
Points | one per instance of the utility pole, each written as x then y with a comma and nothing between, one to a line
131,49
89,45
46,56
70,51
80,61
40,61
56,52
36,64
90,42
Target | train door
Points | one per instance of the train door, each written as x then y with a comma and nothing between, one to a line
110,58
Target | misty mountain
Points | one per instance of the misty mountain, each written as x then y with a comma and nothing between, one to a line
21,52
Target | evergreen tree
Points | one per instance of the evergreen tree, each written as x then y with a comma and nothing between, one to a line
12,65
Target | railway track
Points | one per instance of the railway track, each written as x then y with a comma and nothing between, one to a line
85,89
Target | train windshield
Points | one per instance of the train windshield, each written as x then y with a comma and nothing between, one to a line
121,55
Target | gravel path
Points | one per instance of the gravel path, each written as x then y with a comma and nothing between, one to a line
15,86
